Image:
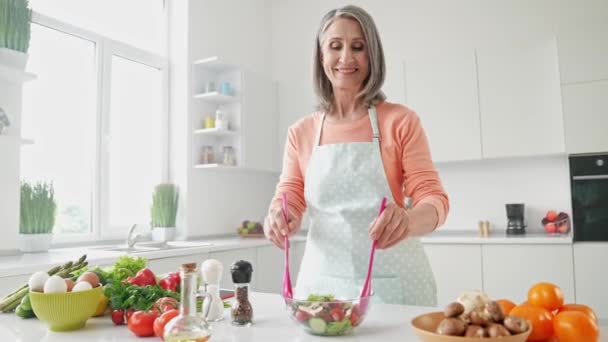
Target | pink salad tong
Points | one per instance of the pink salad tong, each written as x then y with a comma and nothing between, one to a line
367,285
287,288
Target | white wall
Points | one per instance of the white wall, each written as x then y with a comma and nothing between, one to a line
238,32
478,190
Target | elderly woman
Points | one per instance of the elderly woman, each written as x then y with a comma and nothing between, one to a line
341,160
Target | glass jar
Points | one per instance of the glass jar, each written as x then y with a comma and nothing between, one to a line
207,154
228,157
188,325
221,122
242,311
210,122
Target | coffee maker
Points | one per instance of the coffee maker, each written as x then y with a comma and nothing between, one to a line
516,224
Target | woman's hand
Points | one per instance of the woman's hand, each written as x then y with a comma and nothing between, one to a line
391,227
275,227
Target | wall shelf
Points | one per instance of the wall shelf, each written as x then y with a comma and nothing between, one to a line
214,64
216,97
15,75
215,132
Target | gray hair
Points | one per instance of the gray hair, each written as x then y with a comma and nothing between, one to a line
371,92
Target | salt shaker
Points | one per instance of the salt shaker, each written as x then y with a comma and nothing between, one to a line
211,270
242,311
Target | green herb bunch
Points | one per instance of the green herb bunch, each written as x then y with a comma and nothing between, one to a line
38,208
164,205
15,16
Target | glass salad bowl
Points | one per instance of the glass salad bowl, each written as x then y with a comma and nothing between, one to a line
327,316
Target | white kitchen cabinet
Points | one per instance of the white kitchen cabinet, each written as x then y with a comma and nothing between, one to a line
270,261
457,268
442,89
590,277
165,265
586,116
510,270
520,100
229,257
582,53
248,107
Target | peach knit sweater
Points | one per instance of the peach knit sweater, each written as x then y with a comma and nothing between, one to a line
405,155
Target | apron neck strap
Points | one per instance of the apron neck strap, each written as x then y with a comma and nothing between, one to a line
372,117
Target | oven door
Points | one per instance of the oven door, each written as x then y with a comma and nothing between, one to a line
590,207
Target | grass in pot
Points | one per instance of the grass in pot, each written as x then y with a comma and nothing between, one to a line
164,211
37,216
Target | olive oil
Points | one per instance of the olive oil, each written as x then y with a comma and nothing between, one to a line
188,326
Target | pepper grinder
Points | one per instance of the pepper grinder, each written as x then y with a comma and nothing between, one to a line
242,311
211,271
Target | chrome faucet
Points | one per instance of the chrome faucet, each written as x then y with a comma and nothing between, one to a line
131,240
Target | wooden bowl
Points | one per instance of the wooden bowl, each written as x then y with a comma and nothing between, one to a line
425,326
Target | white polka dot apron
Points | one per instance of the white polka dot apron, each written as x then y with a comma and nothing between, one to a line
344,186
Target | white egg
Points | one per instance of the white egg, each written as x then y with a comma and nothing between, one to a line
55,284
82,286
37,280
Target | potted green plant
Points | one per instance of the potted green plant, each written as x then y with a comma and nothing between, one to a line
15,17
164,211
37,216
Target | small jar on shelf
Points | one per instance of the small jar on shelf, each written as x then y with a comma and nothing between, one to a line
228,157
221,121
206,154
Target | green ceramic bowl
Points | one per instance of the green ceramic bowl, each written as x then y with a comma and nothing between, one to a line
66,311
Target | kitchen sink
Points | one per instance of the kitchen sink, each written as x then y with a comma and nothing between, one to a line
151,246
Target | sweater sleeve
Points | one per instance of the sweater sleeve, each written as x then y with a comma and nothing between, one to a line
422,183
291,180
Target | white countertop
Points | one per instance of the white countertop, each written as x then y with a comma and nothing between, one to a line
28,263
496,237
271,323
25,264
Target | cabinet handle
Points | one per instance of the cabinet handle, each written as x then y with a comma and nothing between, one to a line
590,177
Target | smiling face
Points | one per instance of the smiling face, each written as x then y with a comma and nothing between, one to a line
344,55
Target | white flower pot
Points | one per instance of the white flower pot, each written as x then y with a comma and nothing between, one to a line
163,233
13,58
31,243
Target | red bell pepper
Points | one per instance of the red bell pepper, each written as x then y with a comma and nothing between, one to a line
170,282
143,278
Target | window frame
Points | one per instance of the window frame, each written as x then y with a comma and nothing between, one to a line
105,48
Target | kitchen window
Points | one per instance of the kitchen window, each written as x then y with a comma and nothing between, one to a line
98,112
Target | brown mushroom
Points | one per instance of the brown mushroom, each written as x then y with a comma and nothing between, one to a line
494,311
451,326
516,325
454,309
498,330
475,331
480,317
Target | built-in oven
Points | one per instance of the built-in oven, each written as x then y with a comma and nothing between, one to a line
589,186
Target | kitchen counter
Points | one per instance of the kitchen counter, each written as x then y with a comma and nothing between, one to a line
28,263
25,264
497,237
271,323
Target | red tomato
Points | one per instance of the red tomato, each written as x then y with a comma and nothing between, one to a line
118,317
302,316
141,323
337,314
162,320
551,215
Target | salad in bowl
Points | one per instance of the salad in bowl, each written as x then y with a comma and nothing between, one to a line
327,316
